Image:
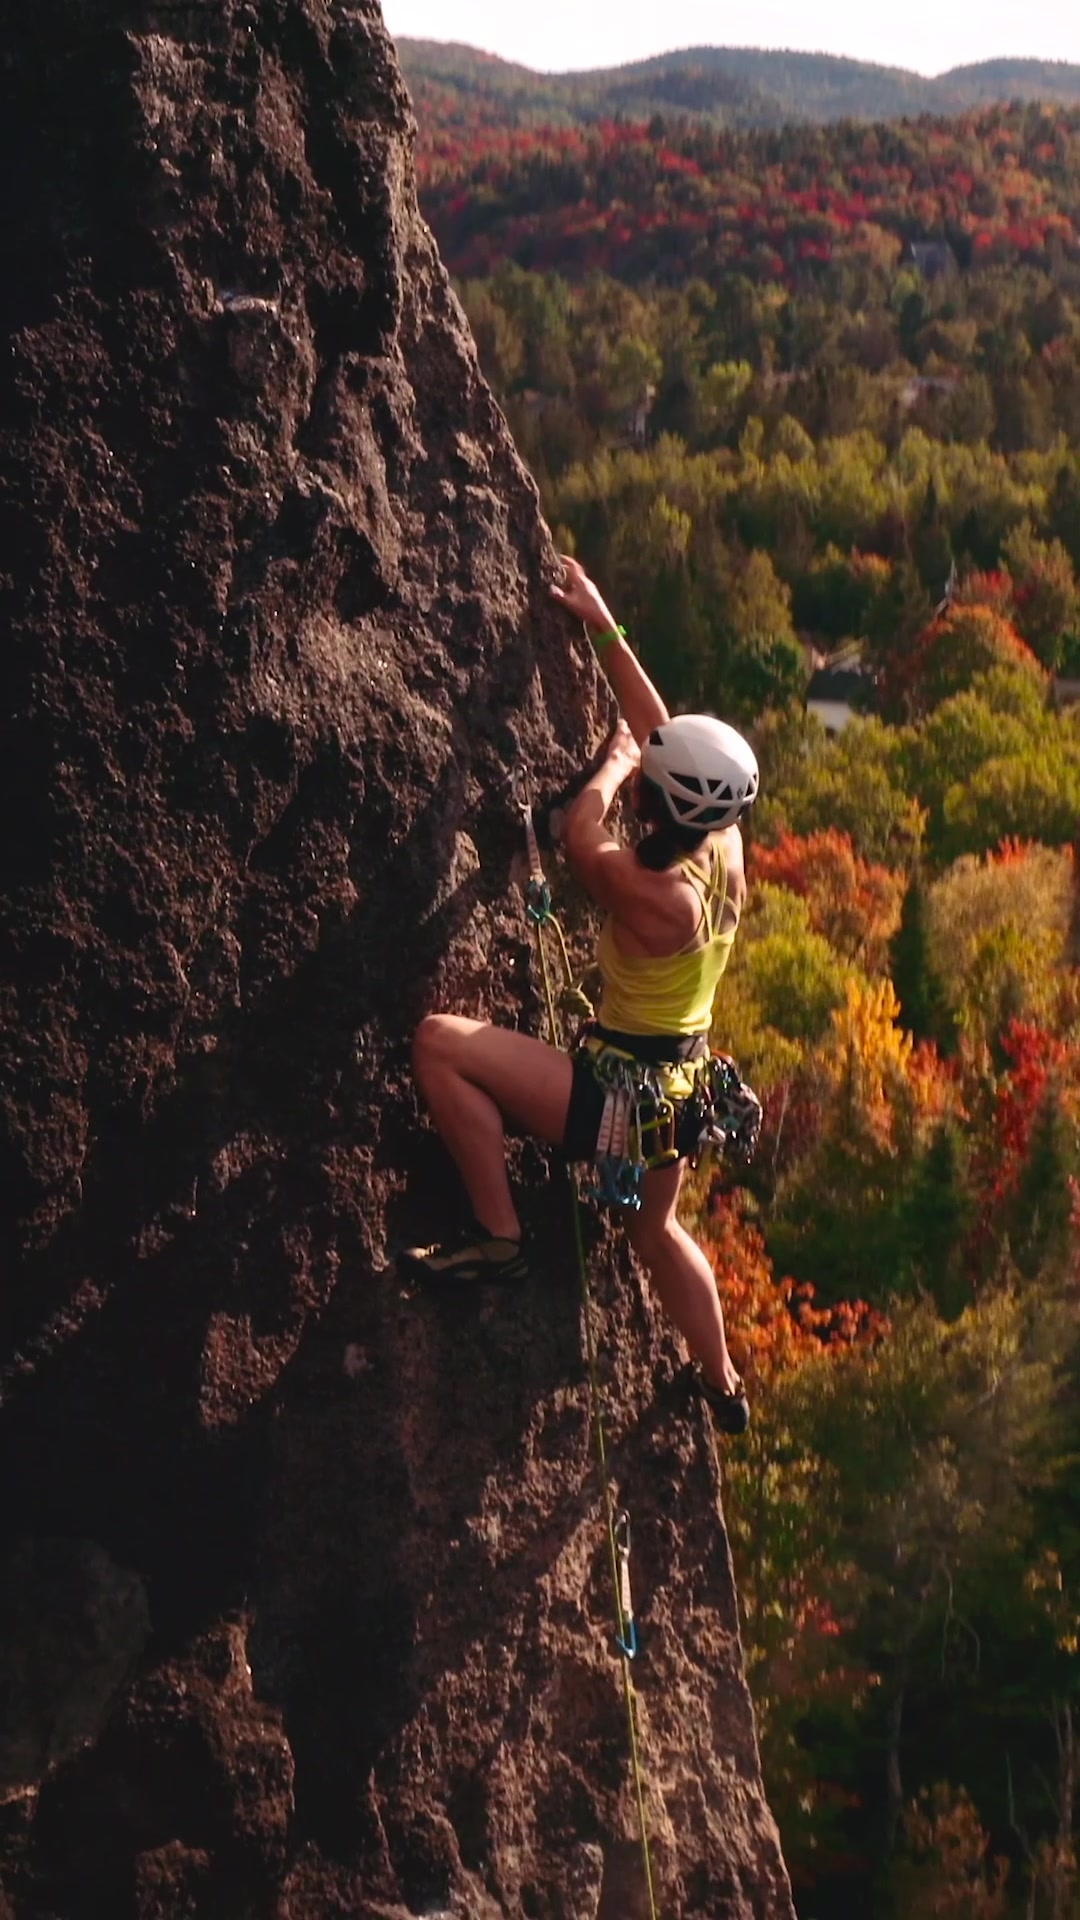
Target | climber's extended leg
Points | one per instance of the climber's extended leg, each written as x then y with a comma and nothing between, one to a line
687,1288
473,1076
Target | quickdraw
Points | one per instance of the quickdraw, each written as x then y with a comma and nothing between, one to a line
537,892
626,1638
570,999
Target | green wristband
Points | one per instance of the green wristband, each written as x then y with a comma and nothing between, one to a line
607,639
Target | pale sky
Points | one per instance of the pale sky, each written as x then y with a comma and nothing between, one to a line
926,36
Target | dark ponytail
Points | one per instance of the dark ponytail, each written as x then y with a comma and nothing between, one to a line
666,841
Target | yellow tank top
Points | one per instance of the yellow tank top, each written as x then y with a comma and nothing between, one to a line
671,993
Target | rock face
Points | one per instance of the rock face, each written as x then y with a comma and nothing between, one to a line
73,1628
276,629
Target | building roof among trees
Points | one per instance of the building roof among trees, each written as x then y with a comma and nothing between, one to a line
848,682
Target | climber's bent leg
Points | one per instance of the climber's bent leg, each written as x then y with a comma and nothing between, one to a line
682,1277
473,1075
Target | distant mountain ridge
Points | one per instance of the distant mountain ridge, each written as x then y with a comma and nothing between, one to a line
729,86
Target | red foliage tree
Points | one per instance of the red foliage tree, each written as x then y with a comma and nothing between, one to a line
854,903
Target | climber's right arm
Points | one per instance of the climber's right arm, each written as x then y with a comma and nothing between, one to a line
639,702
647,902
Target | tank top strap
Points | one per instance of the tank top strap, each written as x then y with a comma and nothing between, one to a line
717,888
711,888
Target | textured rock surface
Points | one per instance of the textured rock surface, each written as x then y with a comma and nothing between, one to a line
273,589
73,1628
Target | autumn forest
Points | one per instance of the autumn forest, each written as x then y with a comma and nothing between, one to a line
808,400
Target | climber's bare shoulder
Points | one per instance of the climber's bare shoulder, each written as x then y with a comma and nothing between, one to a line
657,907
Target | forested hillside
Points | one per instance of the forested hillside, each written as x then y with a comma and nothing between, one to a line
669,204
459,88
815,397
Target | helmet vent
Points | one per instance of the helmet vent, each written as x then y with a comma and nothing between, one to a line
656,738
690,781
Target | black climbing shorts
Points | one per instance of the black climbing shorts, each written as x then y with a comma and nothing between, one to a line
585,1112
587,1096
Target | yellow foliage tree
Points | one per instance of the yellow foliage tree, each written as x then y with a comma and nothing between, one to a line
864,1061
999,932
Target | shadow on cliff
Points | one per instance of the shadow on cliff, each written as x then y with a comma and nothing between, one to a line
238,1219
381,1550
106,1337
379,1491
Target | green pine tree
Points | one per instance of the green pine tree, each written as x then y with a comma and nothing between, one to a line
931,547
933,1224
924,1008
1042,1212
1064,515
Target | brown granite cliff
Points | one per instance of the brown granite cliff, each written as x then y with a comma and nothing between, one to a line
304,1607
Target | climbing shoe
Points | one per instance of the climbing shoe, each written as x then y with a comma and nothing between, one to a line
476,1256
730,1411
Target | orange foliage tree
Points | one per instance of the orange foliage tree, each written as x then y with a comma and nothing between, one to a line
960,643
949,1873
854,903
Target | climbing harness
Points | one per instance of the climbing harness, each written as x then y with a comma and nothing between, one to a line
538,906
654,1114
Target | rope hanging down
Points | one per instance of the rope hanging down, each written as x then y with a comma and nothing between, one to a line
538,907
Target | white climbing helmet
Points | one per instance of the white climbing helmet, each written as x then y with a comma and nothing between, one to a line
706,771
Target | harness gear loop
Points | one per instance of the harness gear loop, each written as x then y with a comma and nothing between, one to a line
626,1633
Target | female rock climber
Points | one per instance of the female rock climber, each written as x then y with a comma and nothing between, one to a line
673,905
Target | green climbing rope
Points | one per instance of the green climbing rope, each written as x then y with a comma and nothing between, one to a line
541,915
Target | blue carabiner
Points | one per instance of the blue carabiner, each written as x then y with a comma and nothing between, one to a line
630,1186
617,1183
